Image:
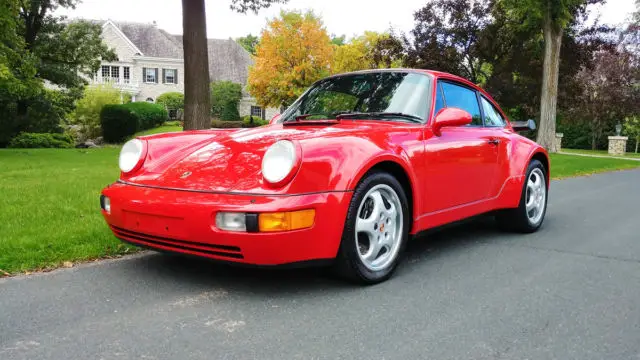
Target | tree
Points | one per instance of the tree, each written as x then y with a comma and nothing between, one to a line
338,40
610,92
446,37
295,51
249,43
632,129
197,104
196,64
552,17
171,100
369,51
225,98
65,50
38,46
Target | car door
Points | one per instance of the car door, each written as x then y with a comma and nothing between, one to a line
495,122
462,162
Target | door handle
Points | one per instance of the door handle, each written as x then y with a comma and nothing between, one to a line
494,141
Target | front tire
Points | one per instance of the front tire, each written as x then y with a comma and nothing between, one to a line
529,214
375,231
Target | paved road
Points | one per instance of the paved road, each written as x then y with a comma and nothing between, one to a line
570,291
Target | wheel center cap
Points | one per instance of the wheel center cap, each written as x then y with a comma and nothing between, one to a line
382,227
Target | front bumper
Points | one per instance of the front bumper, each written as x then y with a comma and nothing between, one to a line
184,222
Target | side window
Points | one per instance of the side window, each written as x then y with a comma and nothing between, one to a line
492,116
439,99
463,98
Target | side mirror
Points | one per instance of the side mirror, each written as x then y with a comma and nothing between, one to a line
449,117
274,119
523,125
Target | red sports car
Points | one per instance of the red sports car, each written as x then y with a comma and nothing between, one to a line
346,175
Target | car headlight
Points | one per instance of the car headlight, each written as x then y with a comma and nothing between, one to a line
131,155
279,161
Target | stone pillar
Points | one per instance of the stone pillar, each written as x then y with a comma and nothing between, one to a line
618,145
558,142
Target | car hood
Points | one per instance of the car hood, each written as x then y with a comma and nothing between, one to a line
230,161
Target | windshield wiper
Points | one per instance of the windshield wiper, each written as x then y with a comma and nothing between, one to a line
409,117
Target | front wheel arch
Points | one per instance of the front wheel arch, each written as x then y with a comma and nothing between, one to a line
397,170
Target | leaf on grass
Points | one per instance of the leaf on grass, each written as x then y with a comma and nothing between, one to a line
4,273
67,264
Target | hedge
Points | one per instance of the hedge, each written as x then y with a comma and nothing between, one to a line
221,124
118,123
41,140
121,121
149,115
257,121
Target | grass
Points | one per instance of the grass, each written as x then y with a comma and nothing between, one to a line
599,153
160,129
563,166
49,208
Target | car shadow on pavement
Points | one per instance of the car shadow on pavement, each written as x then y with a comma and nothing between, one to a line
202,273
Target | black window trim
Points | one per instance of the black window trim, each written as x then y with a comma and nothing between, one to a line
496,108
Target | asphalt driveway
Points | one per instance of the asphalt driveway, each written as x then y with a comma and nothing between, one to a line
570,291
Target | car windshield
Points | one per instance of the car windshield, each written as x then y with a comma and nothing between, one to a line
401,96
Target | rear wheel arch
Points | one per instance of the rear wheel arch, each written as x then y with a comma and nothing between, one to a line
544,159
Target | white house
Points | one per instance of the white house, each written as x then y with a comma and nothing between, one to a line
150,63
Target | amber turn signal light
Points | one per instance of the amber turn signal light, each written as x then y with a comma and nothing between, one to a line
286,221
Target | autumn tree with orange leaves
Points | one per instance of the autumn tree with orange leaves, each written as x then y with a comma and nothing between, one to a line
294,51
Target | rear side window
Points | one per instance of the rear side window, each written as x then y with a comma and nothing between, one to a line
463,98
492,116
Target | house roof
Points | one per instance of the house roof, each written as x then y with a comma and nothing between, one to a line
227,59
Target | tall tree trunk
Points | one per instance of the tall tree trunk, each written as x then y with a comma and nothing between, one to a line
637,142
197,98
549,96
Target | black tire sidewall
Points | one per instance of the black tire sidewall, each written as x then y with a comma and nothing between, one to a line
348,250
534,164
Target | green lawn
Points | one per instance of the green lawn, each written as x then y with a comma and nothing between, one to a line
599,153
563,166
160,129
49,208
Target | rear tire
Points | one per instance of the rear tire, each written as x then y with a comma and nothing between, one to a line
529,214
375,231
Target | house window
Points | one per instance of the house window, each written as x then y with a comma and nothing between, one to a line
170,76
126,74
256,111
150,75
106,71
115,73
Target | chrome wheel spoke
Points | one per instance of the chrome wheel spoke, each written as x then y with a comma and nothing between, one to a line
366,226
378,228
536,195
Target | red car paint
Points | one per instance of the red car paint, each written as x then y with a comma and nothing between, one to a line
170,202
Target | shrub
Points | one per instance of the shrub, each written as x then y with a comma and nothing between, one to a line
221,124
256,121
171,100
41,140
118,123
225,98
148,115
87,112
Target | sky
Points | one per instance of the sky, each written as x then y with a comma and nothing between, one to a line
348,17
